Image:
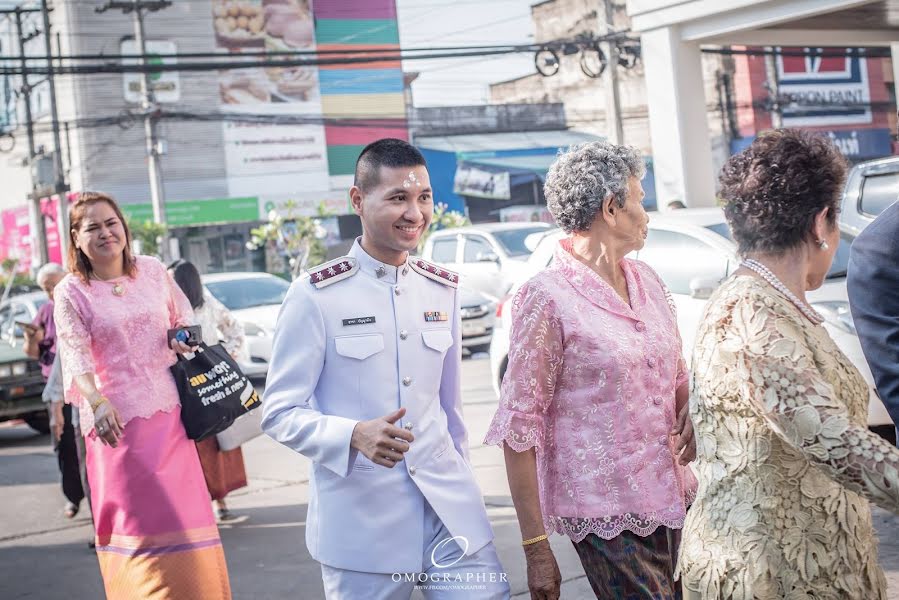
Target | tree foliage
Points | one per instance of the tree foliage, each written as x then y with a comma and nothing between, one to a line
294,236
443,218
147,234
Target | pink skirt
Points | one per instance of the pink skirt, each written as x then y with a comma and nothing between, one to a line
156,534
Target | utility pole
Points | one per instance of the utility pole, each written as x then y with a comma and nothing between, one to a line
773,85
614,125
61,186
148,106
38,231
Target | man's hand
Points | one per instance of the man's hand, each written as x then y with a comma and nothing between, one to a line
686,440
32,333
381,441
544,577
33,336
57,420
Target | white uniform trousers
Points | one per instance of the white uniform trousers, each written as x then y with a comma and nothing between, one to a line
447,573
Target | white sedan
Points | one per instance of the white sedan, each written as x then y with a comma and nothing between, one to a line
692,250
254,299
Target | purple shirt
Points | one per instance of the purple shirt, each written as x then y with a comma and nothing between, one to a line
44,320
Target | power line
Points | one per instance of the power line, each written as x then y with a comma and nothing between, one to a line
238,64
361,51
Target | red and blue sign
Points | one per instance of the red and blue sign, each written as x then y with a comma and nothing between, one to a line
818,91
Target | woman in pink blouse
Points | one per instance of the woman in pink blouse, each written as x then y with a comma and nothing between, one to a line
156,535
592,414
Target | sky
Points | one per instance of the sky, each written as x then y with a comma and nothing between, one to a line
458,81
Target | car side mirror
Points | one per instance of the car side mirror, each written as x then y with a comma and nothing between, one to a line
701,288
488,257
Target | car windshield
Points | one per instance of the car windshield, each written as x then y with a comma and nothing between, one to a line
840,260
247,293
513,241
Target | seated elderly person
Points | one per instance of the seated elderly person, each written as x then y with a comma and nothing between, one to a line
593,405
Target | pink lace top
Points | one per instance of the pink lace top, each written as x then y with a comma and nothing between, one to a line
121,339
591,384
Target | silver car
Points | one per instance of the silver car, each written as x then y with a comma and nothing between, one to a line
870,188
254,299
489,256
478,316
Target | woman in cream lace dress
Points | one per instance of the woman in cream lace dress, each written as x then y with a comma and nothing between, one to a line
223,470
785,462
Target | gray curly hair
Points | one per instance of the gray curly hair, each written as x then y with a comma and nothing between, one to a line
584,176
44,273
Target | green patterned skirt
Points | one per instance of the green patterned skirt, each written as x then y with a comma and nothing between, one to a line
630,567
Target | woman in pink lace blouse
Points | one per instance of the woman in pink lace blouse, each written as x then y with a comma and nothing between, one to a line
593,407
156,535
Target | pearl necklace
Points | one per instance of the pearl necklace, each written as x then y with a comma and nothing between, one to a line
777,284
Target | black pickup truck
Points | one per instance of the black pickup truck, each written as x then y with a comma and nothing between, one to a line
21,385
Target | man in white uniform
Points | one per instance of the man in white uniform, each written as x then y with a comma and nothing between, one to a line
364,381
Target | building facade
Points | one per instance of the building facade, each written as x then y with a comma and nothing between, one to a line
673,34
237,143
585,98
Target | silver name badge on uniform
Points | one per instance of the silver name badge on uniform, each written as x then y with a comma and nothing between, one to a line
359,321
434,316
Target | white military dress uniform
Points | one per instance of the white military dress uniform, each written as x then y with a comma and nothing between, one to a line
356,340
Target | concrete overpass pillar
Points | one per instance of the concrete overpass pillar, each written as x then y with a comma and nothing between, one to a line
894,52
678,123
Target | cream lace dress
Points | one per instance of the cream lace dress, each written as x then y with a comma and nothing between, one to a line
784,458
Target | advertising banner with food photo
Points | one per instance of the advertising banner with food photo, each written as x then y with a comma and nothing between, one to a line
267,150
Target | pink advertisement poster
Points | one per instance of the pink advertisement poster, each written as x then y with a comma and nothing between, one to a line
15,234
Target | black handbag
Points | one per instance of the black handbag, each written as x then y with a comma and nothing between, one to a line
213,391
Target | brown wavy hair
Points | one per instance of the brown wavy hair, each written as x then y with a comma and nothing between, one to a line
774,189
78,262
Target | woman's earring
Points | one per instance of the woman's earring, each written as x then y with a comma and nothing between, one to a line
823,244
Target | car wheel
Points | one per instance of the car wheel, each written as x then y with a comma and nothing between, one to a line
39,421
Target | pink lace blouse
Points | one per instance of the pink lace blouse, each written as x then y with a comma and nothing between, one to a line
591,384
121,339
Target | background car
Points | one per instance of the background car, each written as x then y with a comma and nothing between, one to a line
489,256
254,299
21,382
692,251
871,187
478,316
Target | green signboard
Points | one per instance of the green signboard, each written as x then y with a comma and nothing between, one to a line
199,212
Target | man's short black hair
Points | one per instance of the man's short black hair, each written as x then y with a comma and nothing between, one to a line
387,152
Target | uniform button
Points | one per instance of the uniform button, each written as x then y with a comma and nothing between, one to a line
396,291
404,334
407,381
640,326
411,470
657,401
663,440
408,426
651,362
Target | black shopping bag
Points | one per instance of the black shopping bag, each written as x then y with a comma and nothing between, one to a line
213,391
